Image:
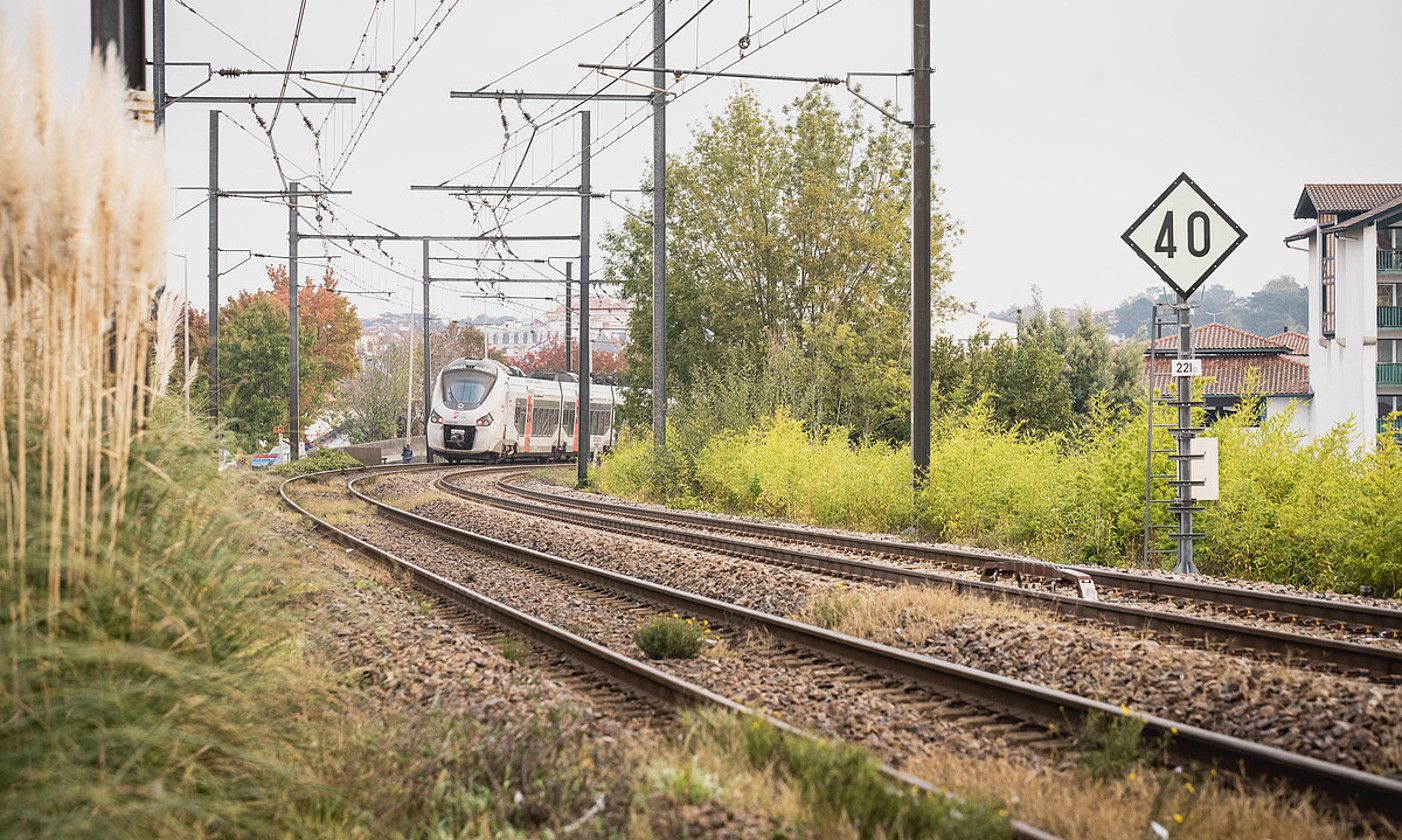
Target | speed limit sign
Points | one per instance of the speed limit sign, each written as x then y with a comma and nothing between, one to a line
1184,235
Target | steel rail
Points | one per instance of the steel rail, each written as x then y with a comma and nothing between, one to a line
654,683
1366,791
1384,663
1364,615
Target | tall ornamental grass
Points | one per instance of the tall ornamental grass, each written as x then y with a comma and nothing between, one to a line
1323,514
140,646
82,223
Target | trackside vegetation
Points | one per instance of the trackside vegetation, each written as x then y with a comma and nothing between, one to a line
1318,514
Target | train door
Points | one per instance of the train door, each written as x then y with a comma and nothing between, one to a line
518,402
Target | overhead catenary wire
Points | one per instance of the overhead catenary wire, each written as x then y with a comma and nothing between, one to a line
641,115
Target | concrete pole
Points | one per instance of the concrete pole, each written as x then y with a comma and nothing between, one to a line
427,360
213,373
584,190
158,61
920,250
569,304
659,227
1184,504
294,349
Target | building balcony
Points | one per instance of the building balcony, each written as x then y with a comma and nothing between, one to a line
1390,317
1389,261
1390,373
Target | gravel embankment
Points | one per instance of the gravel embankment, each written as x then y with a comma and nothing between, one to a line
1335,718
896,720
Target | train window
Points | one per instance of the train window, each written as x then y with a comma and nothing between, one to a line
464,389
598,419
568,422
520,416
544,421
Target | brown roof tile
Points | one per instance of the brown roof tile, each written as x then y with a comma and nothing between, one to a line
1218,337
1343,198
1276,376
1298,343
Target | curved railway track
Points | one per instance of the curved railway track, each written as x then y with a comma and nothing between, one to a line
1001,695
1381,663
635,676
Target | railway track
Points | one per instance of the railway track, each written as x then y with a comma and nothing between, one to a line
1380,663
1000,695
1364,618
634,676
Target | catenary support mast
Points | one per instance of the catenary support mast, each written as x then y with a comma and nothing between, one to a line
582,415
920,250
428,359
213,364
294,378
659,225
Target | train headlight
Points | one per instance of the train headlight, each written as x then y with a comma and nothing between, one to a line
484,420
435,418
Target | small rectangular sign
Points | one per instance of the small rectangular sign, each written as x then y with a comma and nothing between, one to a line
1187,367
1204,469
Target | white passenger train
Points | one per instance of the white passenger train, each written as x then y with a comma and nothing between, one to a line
484,410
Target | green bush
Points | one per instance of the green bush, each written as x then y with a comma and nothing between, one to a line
671,637
1321,514
321,459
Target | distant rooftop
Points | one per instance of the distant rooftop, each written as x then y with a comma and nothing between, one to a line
1343,198
1297,343
1220,338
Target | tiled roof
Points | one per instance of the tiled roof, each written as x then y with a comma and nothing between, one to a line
1219,337
1343,198
1276,376
1298,343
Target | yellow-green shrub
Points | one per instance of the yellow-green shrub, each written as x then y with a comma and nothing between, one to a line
1319,514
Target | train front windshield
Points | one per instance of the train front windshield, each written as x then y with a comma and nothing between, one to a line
466,389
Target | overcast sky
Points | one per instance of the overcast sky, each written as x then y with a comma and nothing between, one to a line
1056,122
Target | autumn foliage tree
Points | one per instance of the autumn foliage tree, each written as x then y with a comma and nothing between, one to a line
552,357
253,357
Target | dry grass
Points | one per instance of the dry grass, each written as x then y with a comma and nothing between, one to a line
918,611
1073,804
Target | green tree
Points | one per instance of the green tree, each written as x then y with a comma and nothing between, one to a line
788,229
253,366
1281,304
374,400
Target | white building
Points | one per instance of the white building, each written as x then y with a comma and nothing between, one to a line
1355,284
608,320
964,324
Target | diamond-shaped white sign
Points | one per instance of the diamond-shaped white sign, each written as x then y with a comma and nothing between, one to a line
1184,235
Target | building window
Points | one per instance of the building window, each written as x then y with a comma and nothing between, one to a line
1389,351
1328,253
1388,294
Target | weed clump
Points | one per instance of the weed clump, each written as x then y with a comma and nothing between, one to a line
671,637
844,781
513,649
830,608
1113,745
